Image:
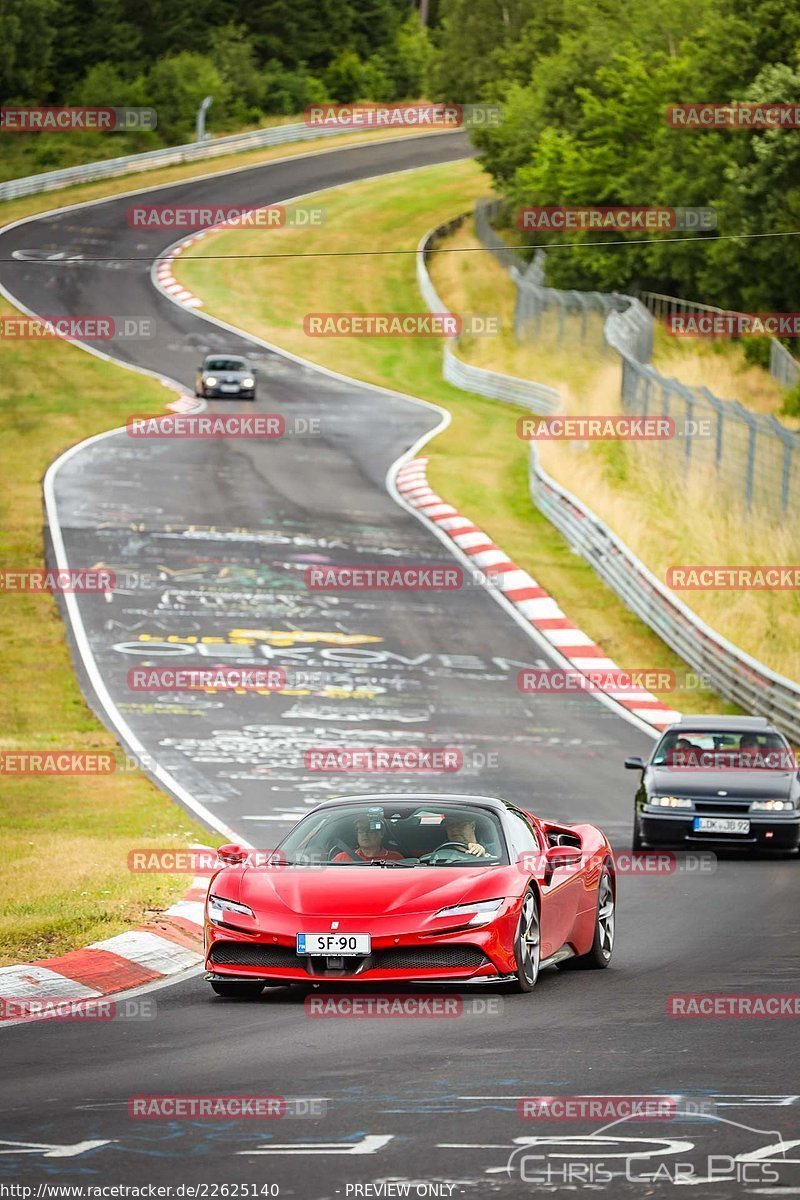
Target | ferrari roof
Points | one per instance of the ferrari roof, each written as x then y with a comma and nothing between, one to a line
446,798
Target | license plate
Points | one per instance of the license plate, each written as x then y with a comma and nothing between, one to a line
720,825
229,387
336,944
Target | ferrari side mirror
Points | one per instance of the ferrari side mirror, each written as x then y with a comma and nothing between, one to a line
231,854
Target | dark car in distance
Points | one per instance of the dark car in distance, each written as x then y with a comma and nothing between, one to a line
723,781
224,375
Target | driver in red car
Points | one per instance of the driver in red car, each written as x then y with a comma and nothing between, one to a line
370,847
462,830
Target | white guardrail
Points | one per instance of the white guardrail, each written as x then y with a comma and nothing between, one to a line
735,675
237,143
536,396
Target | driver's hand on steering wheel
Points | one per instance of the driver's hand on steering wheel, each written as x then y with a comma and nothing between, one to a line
477,849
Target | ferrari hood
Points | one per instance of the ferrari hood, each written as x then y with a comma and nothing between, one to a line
364,891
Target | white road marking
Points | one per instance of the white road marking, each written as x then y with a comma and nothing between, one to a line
54,1151
371,1143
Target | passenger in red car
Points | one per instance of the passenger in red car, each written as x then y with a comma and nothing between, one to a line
370,846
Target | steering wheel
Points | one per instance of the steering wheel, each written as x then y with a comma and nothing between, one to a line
459,846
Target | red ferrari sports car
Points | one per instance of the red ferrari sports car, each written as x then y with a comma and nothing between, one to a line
423,889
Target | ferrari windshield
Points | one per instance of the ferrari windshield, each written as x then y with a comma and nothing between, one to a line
398,834
709,750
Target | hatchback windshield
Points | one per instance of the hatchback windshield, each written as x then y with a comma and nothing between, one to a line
225,364
707,749
397,834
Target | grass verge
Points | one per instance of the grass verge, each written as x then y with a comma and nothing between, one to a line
668,518
65,881
478,463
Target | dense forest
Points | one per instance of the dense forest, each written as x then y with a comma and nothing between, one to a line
584,86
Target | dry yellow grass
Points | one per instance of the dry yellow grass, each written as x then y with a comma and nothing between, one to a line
666,517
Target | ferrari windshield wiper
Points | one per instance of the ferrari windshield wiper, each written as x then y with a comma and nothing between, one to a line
389,862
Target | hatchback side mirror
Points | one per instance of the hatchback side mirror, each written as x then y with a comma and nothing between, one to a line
635,763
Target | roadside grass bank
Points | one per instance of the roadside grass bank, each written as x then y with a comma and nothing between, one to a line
65,838
478,464
666,517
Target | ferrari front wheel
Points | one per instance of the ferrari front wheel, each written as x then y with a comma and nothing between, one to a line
527,944
237,991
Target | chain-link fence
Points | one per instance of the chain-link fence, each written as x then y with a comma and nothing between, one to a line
751,456
736,675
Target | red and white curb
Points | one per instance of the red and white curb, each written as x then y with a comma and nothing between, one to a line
531,600
164,946
167,280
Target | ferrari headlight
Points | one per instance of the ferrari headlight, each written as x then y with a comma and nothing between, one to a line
671,801
218,907
248,383
771,806
211,381
481,911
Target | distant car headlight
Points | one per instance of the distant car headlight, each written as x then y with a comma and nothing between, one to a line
771,806
210,381
218,907
248,382
481,911
671,801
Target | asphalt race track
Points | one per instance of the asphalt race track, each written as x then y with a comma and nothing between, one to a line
214,538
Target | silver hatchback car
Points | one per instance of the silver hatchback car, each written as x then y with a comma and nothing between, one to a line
223,375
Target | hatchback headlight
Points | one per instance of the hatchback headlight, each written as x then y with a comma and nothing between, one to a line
218,907
481,911
248,383
671,801
211,380
771,806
